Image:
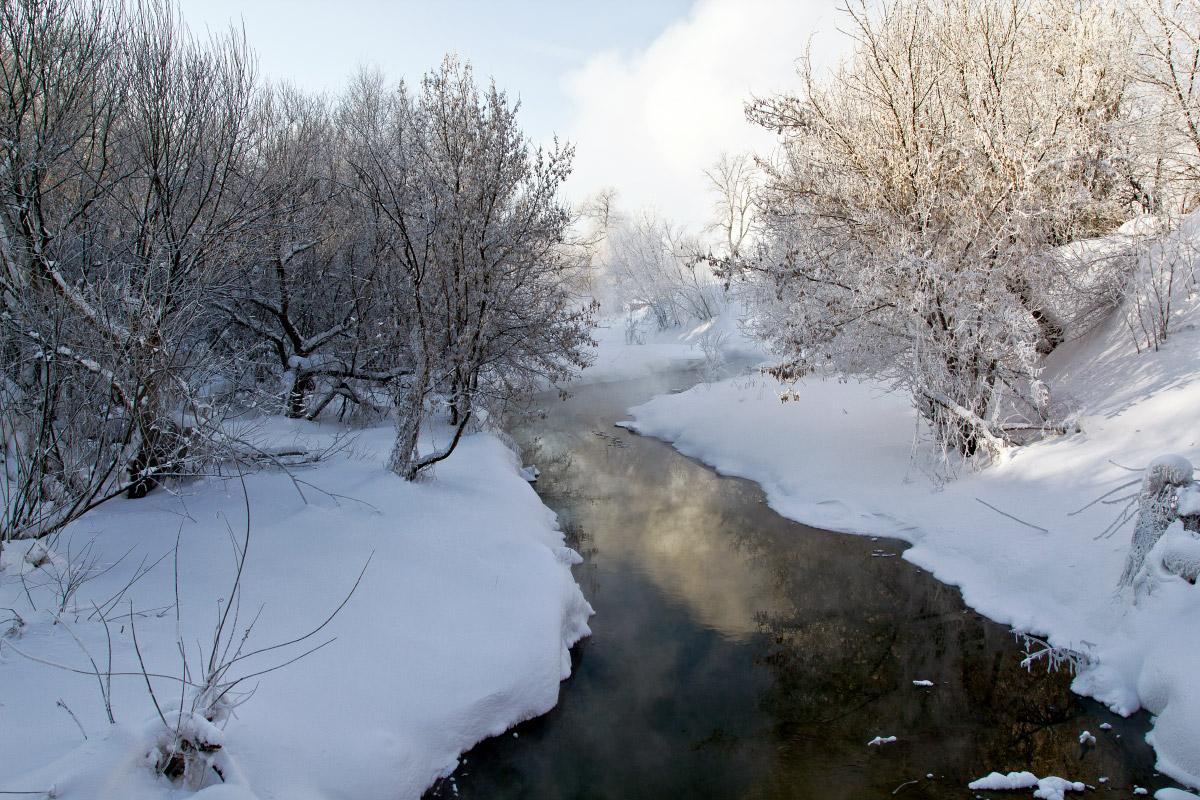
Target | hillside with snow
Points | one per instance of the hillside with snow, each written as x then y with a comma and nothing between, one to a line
1024,538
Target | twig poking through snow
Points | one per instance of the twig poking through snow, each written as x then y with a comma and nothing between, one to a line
901,786
1014,519
1106,494
64,707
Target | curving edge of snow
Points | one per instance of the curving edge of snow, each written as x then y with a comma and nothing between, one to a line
1022,538
460,628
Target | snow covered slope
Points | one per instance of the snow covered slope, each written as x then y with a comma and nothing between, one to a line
842,457
458,630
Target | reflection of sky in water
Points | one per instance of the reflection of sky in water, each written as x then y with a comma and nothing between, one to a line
737,654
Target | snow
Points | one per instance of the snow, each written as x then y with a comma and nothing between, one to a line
459,629
1022,537
878,740
1169,469
1054,788
1189,501
1000,782
660,351
922,683
1050,788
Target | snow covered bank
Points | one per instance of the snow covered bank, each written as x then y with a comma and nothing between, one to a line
459,628
841,457
631,346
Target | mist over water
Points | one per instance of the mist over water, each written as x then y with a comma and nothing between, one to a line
738,654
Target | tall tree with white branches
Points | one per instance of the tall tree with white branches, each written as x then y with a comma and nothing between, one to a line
918,187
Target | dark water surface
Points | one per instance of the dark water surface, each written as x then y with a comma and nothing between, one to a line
736,654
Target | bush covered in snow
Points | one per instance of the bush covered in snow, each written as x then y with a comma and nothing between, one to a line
1166,479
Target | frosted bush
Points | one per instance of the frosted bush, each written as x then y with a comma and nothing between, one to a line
1165,545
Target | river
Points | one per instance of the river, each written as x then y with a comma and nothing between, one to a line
737,654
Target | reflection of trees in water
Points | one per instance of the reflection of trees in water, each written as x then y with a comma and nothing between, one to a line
576,537
561,490
840,637
843,650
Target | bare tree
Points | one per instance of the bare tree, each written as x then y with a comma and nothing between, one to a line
59,70
308,301
733,179
123,186
657,265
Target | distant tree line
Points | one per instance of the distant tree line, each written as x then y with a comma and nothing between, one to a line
180,241
920,222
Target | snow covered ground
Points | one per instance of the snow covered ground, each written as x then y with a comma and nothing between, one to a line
461,623
842,457
459,627
631,347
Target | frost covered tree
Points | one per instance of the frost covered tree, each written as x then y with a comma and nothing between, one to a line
471,233
306,301
657,265
907,215
121,189
1167,68
733,179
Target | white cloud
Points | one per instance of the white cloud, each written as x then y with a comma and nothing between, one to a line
650,122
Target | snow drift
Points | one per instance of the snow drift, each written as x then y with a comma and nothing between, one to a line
459,629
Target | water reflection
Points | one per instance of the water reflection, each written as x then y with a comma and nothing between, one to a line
737,654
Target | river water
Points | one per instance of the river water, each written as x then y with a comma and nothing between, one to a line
736,654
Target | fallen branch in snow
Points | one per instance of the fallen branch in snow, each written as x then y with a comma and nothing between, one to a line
45,793
1010,516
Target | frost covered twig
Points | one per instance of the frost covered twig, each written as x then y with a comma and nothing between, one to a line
1014,519
67,709
1106,494
1055,657
104,679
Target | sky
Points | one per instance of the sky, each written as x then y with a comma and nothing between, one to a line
649,92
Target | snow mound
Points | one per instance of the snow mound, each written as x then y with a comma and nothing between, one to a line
1168,470
997,781
1050,788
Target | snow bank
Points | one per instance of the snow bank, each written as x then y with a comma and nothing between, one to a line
459,629
617,359
1016,537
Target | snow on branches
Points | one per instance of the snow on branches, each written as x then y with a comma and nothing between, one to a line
907,218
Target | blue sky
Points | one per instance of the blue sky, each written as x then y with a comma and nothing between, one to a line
648,91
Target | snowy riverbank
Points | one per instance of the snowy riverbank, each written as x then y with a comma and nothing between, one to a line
841,457
458,630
